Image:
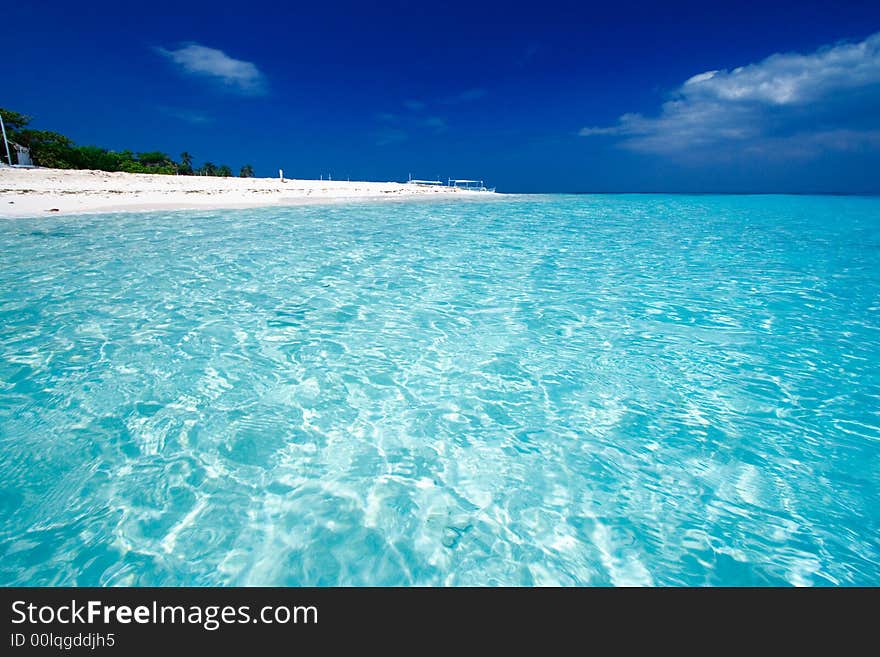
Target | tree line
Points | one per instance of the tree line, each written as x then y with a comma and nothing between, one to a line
54,150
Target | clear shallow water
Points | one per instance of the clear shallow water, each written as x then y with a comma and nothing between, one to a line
554,390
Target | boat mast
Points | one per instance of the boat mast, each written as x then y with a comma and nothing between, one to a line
5,140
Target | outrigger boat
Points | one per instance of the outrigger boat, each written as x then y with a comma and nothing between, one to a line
469,185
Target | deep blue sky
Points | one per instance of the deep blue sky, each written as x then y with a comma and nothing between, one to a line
528,97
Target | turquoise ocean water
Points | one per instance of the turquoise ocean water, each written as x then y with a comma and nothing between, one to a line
541,390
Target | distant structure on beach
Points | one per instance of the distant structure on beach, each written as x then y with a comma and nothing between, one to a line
414,181
469,185
23,155
458,183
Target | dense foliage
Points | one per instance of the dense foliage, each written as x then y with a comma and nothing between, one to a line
50,149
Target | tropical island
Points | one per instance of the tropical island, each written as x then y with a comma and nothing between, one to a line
69,178
53,150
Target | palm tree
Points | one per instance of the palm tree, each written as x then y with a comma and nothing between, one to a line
247,171
224,171
186,163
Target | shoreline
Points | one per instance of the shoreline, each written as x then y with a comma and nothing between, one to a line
49,192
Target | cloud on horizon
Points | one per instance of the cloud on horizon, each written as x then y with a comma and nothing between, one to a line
790,105
236,75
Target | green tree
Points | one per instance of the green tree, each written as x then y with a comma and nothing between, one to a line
48,149
247,171
14,122
155,159
94,157
186,163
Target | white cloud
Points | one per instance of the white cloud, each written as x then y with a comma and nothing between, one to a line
237,75
785,98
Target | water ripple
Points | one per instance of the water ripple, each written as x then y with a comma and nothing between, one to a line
542,391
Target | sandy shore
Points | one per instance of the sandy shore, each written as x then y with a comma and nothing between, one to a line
43,192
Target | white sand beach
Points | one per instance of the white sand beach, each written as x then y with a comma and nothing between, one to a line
36,192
